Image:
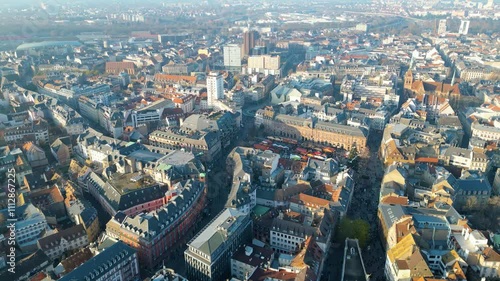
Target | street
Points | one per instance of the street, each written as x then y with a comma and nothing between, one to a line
364,206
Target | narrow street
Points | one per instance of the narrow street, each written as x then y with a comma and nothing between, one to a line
218,187
364,206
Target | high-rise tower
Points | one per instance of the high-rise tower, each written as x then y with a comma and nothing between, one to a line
464,27
442,27
215,88
249,38
232,56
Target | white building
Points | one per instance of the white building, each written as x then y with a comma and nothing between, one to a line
464,27
215,88
232,56
266,64
209,253
361,27
442,27
488,133
30,225
247,259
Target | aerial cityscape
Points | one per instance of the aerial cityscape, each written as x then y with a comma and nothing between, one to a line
214,140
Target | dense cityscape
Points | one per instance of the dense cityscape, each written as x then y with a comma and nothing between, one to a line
250,140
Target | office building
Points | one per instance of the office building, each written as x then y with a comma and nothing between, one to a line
215,88
209,253
464,27
249,38
232,56
442,27
204,144
173,68
118,262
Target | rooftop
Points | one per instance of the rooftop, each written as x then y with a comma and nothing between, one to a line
94,268
124,183
217,232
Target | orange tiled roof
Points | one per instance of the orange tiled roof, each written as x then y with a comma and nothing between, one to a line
396,200
119,65
427,160
491,255
308,199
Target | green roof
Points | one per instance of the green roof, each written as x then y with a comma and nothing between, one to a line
260,210
496,239
164,166
213,243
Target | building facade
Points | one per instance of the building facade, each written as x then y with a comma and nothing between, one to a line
118,262
209,253
232,56
154,234
311,130
215,88
70,239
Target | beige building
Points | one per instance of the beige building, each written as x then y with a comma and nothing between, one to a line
36,156
266,64
264,61
317,131
61,148
489,263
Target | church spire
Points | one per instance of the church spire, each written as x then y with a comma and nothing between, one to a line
453,78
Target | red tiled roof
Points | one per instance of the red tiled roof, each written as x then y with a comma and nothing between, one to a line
174,78
119,65
427,160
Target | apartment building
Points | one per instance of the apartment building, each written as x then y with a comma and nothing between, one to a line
68,119
55,245
37,131
153,234
248,258
118,262
35,155
30,226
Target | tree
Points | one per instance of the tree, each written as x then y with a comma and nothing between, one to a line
353,153
485,216
252,132
353,159
471,203
358,229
